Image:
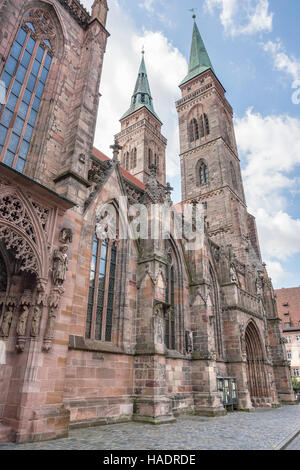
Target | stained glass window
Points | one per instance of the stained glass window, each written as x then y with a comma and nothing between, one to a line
24,75
170,299
99,318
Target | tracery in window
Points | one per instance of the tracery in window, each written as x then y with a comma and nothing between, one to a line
25,76
199,128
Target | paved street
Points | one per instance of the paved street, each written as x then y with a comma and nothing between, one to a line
262,429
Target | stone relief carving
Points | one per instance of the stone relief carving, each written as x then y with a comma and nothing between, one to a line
60,265
53,303
25,303
158,317
66,236
283,340
243,342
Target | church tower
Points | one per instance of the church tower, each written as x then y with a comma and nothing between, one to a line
210,166
140,136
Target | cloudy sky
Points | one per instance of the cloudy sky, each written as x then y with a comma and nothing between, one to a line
254,47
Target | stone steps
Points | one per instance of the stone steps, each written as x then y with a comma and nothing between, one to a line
6,433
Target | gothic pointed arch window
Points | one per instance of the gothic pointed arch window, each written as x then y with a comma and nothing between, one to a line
206,122
127,160
133,159
25,76
202,176
194,130
171,283
150,157
99,319
202,133
217,313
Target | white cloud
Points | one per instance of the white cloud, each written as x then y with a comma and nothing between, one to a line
243,17
270,147
282,61
166,67
148,5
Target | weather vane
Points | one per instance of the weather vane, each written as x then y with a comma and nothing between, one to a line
193,10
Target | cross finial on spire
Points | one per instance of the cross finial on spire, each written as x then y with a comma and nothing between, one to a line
143,50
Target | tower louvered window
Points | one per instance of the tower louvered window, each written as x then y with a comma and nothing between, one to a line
194,130
99,319
203,174
24,77
133,158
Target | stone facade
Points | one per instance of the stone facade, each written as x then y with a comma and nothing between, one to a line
288,305
97,329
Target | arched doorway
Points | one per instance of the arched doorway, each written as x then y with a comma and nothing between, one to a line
257,378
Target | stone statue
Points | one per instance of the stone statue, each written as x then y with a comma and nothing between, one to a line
22,322
189,342
6,321
259,285
35,324
60,265
50,324
233,276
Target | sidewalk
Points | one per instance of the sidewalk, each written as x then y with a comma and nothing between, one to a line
263,429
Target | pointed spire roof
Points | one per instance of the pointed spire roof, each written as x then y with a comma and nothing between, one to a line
199,58
142,95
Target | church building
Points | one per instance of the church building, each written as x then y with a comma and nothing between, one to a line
99,328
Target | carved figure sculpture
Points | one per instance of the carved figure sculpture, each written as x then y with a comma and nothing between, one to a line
6,321
60,265
22,322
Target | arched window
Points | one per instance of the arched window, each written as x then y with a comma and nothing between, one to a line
133,159
194,130
217,314
201,127
127,161
203,174
157,160
101,291
207,129
170,315
150,157
25,76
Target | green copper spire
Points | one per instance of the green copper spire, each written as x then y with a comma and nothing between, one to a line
142,95
199,59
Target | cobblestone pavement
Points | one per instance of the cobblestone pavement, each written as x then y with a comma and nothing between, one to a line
262,429
294,445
